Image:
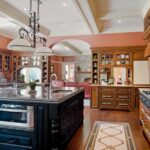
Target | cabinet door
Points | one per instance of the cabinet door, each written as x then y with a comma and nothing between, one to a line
106,103
94,96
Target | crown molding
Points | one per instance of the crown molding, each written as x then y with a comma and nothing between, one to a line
85,11
14,13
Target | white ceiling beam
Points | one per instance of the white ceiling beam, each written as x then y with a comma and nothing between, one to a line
14,13
85,11
68,45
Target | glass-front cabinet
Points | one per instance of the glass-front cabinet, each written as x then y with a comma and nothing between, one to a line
5,62
112,67
28,65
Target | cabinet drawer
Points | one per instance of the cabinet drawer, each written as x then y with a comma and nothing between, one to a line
106,103
124,89
123,103
12,139
123,95
4,146
108,89
107,95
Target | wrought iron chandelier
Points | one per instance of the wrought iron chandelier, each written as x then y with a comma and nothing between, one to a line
29,38
33,34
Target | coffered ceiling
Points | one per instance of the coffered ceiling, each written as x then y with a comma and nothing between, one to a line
114,16
74,17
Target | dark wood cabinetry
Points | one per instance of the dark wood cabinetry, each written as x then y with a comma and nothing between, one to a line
16,140
54,124
65,119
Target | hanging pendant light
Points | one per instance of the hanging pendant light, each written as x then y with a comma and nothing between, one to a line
43,51
29,38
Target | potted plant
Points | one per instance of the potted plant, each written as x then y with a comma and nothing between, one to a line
32,84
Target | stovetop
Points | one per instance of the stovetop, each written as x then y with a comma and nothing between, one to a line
146,92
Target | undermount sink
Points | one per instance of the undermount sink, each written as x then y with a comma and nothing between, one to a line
62,91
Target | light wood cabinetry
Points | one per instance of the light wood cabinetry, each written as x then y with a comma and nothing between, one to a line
105,59
25,60
147,25
115,98
94,97
95,68
145,119
5,61
147,51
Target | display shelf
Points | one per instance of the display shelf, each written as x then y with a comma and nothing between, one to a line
108,60
5,62
20,61
95,67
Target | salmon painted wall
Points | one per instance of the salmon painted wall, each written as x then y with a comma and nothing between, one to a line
106,40
4,42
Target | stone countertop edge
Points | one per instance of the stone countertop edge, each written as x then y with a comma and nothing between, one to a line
40,100
120,85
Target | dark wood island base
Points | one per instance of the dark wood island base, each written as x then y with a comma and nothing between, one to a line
56,118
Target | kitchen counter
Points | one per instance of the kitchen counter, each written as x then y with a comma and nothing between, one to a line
40,95
120,85
145,98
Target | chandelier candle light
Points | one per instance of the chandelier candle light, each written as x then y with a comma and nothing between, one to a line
30,38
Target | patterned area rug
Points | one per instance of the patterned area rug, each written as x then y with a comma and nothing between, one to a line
110,136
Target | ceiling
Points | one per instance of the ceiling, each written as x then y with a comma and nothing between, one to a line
116,16
74,17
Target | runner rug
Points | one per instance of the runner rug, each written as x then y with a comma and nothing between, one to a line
110,136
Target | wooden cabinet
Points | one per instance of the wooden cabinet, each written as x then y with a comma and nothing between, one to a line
147,25
145,119
45,69
147,51
103,63
5,61
95,68
21,61
94,96
115,98
106,59
13,139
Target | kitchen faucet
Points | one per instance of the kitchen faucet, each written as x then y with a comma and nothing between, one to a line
52,77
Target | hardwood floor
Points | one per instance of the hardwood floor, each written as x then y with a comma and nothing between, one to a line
91,115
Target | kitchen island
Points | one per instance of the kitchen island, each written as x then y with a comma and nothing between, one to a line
43,120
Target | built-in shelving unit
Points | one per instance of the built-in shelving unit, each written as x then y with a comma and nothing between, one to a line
147,25
5,62
22,61
103,63
95,74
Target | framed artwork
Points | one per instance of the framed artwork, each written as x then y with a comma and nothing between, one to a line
52,68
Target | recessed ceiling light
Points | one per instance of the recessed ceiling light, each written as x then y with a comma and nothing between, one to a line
64,4
119,21
25,9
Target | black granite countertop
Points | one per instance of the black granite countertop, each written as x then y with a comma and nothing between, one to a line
145,96
40,95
